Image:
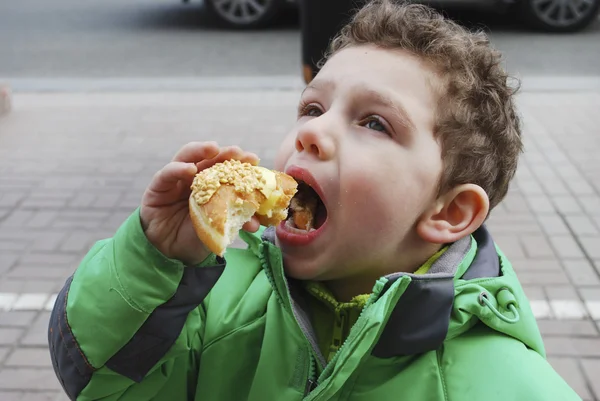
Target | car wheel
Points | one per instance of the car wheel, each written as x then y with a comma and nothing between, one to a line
559,15
244,14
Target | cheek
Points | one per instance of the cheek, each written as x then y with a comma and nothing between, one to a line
286,149
383,206
369,206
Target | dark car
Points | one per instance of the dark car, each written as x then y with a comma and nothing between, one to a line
548,15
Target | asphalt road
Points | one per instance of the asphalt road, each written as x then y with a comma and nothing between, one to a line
164,38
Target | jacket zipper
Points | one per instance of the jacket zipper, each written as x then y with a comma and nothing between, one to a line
312,381
331,363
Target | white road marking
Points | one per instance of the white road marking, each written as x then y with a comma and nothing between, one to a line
7,300
29,302
568,309
593,308
542,309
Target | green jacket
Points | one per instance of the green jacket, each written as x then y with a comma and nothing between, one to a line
131,324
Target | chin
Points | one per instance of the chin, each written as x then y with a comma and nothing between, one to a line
300,270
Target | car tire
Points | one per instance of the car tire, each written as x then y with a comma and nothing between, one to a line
544,15
244,14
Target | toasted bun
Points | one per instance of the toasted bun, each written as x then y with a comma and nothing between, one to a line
227,195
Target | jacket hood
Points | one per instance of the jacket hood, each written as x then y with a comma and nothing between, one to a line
471,283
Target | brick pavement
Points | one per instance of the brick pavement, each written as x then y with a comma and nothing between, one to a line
72,166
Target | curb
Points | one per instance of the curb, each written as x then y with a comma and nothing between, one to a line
251,83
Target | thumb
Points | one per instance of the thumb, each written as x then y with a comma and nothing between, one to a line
252,226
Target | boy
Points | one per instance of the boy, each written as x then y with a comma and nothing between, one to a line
409,137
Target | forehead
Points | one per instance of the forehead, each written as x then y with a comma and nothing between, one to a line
357,69
378,65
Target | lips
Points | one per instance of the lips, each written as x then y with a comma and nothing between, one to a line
307,215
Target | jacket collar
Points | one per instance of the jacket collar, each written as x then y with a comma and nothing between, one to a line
418,322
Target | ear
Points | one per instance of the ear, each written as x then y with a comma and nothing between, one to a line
454,215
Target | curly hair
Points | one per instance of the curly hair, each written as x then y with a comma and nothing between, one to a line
476,119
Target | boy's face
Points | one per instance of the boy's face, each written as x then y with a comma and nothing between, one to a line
364,135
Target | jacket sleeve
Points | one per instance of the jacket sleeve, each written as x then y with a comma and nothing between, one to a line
486,365
126,324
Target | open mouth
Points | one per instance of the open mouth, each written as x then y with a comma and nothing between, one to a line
307,212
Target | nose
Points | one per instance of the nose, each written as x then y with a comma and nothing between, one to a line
317,138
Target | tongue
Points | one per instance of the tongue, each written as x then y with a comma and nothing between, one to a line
321,215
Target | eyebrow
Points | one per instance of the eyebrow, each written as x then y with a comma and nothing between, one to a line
382,99
399,111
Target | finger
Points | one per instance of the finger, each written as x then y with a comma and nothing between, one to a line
194,152
252,226
230,153
167,178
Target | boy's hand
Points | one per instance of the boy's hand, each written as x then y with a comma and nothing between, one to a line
164,212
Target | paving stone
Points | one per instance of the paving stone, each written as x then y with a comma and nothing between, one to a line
536,246
48,241
540,204
574,347
556,189
579,186
48,258
566,204
29,357
529,187
534,292
7,260
4,211
566,247
43,218
13,246
42,204
82,200
11,199
511,246
546,278
569,370
569,328
590,294
581,225
32,285
591,245
28,378
591,369
581,272
553,224
44,396
11,395
77,241
17,218
107,201
562,293
516,203
9,336
4,351
49,273
591,204
37,335
16,318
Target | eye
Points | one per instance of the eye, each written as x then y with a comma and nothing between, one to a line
375,123
310,110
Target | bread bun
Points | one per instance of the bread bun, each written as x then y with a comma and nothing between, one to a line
226,196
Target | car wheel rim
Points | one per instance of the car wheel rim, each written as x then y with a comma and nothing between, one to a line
562,13
242,11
